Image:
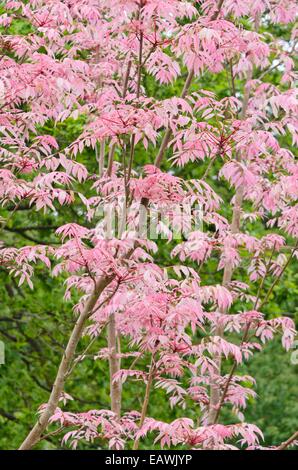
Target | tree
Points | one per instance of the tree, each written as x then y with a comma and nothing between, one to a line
90,60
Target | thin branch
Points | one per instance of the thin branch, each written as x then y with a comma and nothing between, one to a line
245,336
276,280
263,278
42,422
124,91
215,400
22,233
167,136
146,399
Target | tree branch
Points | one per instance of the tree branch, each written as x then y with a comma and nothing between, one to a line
42,422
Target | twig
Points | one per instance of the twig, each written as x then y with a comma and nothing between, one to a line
288,442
